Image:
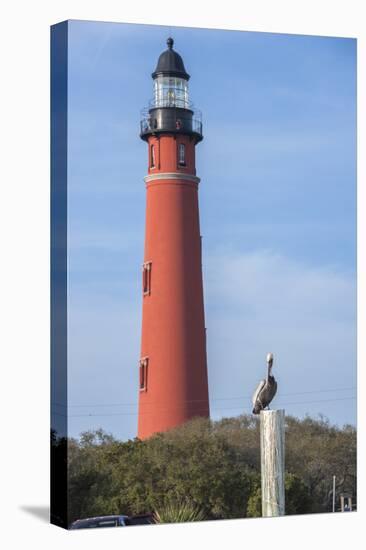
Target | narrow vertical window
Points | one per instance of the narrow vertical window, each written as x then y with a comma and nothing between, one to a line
146,278
182,154
144,363
152,156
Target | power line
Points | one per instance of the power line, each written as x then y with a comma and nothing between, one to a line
243,398
198,411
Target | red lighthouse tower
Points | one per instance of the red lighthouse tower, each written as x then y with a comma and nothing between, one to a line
173,385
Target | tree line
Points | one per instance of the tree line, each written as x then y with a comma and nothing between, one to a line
212,466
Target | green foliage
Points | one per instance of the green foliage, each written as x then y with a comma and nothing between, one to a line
315,451
297,499
254,508
179,512
213,466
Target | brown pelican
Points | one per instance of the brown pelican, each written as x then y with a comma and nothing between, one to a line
266,389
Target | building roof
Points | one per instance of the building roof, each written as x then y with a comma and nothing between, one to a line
170,63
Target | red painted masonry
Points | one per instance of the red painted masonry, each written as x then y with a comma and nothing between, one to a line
173,366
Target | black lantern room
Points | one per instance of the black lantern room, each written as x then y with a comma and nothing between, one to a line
170,110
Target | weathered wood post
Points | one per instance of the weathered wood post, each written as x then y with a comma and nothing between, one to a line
272,430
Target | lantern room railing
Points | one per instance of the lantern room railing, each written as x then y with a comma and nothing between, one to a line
173,122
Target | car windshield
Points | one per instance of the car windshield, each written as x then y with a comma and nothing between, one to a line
108,522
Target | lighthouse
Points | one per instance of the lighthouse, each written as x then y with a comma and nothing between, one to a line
173,385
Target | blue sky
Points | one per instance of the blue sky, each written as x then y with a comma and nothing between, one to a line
277,209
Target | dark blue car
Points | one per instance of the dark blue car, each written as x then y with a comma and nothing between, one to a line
112,521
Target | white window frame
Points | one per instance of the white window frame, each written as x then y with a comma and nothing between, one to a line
143,373
182,154
146,278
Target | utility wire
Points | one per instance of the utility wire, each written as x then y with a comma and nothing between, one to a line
197,411
243,398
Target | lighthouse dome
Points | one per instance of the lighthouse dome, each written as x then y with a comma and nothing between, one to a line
170,63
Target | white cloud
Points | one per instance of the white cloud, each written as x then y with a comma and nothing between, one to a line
305,315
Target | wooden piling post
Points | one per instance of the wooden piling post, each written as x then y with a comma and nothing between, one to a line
272,430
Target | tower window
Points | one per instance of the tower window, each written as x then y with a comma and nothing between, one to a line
144,363
152,156
146,278
182,154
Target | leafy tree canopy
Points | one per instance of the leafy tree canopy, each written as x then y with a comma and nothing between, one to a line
214,466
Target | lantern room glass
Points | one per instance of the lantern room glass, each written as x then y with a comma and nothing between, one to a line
171,92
